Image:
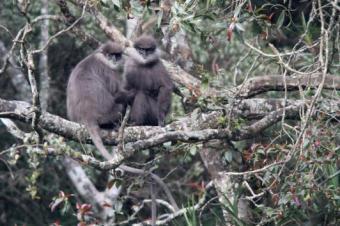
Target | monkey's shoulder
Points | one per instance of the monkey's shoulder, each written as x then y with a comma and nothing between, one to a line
86,64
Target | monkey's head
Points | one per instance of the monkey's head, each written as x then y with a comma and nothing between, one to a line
111,55
146,45
112,51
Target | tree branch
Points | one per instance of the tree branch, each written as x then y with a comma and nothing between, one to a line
262,84
206,128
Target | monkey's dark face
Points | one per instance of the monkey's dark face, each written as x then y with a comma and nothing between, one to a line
114,57
112,51
145,52
145,45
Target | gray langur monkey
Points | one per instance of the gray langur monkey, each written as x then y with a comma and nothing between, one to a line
146,78
91,91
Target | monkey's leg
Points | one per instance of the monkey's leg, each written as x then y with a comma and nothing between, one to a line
139,109
153,112
163,103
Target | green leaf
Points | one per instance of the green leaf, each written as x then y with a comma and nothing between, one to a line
193,150
238,9
281,19
117,3
306,143
66,208
228,155
240,26
303,20
159,19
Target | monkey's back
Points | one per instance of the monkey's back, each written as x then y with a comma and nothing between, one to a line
90,93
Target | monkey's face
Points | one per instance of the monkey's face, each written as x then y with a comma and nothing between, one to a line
114,57
145,52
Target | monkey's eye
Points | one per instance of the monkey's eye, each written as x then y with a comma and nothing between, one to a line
150,51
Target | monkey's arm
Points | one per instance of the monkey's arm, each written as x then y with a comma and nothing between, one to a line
125,96
139,59
133,53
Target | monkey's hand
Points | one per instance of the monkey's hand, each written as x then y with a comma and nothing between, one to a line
131,52
130,96
125,96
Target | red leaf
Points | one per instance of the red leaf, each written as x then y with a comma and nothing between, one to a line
81,224
270,17
56,223
230,31
317,143
85,208
106,205
249,7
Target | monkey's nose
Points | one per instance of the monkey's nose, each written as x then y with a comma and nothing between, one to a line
142,52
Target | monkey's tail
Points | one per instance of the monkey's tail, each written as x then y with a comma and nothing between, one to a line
94,131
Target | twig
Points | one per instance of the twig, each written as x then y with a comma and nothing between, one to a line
280,54
253,171
61,32
286,65
120,138
90,40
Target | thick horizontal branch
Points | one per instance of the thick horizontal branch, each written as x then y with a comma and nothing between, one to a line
252,108
262,84
185,136
207,127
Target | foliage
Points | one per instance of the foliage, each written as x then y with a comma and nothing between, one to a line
230,42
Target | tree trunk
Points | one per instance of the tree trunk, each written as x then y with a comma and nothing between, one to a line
43,65
227,187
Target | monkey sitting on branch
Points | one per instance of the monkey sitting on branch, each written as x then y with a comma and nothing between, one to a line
146,78
92,89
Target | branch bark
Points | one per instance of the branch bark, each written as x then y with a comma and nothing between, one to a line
199,127
178,130
262,84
